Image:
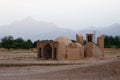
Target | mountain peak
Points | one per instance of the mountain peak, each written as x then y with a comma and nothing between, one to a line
29,19
115,24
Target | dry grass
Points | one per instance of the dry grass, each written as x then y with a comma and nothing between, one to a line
29,58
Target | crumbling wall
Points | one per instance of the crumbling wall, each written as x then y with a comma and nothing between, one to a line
79,38
100,42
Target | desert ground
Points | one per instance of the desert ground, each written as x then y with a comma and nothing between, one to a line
107,68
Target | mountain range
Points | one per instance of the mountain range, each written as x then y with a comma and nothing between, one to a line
30,28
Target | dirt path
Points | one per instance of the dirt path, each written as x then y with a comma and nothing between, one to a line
99,70
93,69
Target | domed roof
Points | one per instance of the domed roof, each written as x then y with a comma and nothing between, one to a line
63,40
78,44
75,45
97,52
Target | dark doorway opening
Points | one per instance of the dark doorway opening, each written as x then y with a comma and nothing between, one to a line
47,52
39,53
55,53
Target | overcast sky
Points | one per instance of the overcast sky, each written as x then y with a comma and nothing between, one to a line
73,14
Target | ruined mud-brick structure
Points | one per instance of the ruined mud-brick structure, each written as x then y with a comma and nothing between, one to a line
63,48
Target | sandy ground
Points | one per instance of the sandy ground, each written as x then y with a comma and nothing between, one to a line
93,69
107,70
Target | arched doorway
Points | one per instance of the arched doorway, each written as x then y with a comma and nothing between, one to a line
47,52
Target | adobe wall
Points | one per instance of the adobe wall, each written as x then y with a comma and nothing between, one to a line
61,52
75,51
97,52
111,49
89,49
100,42
79,38
42,44
82,52
73,54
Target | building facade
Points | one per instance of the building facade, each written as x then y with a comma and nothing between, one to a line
63,48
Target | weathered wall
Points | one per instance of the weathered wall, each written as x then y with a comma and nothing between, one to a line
92,50
79,38
75,51
63,42
111,49
42,44
73,54
97,52
61,52
89,49
100,42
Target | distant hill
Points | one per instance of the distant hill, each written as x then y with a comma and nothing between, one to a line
113,30
32,29
27,28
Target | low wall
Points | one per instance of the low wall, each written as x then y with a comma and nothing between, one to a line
4,50
111,49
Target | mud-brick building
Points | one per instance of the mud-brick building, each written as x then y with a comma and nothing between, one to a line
62,48
47,49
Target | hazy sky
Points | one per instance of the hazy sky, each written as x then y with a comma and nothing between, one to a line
73,14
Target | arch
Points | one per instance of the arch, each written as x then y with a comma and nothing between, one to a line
47,52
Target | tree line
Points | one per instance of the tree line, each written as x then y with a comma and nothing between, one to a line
19,43
112,42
